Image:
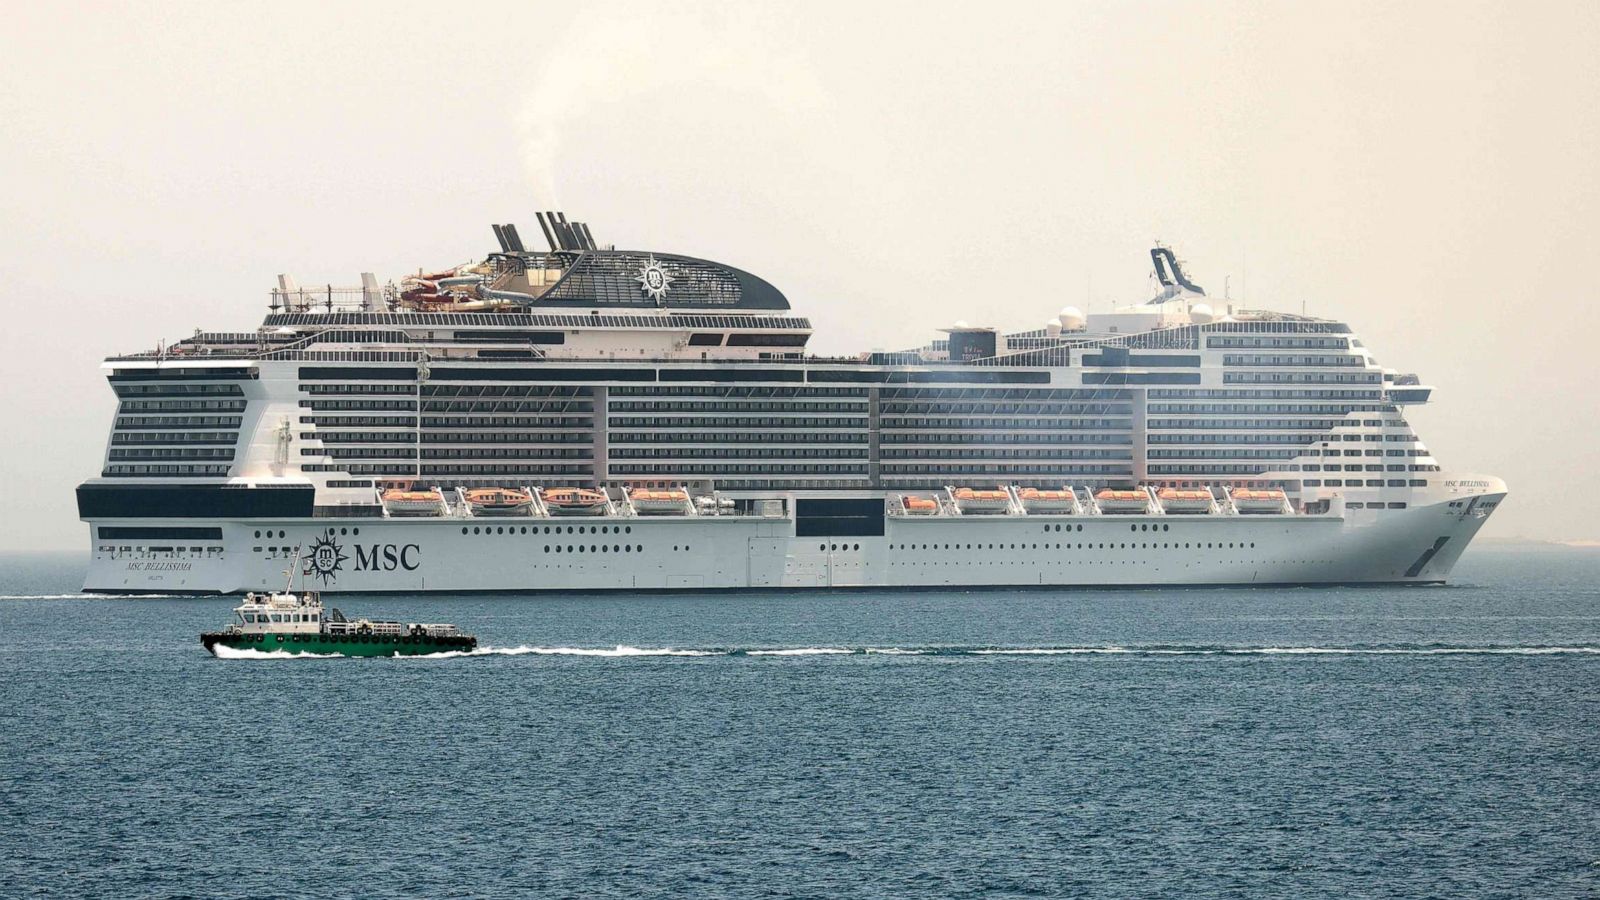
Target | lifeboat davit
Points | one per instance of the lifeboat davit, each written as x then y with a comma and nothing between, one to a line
919,506
1178,500
1112,500
1040,500
403,501
970,500
499,502
660,502
575,502
1258,501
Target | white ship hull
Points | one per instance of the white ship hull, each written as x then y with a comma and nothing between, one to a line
1417,545
609,374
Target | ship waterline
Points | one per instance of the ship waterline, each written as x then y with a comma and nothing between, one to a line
593,419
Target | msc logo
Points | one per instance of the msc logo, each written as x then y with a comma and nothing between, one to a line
387,557
327,558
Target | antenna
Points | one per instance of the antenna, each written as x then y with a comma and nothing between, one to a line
294,566
500,235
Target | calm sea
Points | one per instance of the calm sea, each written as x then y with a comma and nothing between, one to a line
1201,743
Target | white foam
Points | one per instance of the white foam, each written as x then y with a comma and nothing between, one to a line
1049,651
619,650
223,651
896,651
802,651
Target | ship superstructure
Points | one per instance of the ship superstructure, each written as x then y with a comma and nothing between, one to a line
581,417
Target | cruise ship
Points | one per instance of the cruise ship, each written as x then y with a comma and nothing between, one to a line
583,418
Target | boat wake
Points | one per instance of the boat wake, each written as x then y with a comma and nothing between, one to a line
624,651
225,652
979,652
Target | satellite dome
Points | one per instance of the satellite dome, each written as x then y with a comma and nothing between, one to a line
961,323
1071,318
1052,327
1201,312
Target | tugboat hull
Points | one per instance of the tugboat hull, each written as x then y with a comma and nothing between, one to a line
344,645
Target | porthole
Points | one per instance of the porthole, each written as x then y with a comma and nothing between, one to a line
500,530
580,548
355,531
603,549
627,529
463,529
1166,527
258,534
627,548
1133,528
474,529
821,548
855,546
344,531
547,548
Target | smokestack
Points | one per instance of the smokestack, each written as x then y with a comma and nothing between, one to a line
545,227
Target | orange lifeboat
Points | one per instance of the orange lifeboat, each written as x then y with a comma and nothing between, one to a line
1259,500
403,501
1045,500
658,502
1112,500
1179,500
919,506
575,502
971,500
499,502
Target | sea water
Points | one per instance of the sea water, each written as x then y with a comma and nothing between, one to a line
1438,741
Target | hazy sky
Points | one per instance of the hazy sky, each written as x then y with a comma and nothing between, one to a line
1425,171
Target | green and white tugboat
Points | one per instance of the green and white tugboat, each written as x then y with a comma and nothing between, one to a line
299,623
